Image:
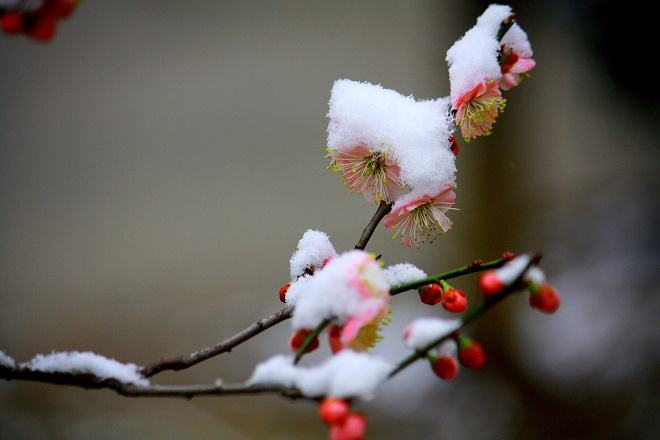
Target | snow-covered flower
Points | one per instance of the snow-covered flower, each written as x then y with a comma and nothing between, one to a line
368,171
352,291
515,57
474,74
383,142
477,109
417,219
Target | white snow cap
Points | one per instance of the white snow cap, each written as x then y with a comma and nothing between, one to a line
347,374
415,133
350,284
403,273
516,39
6,360
313,249
86,362
535,275
508,273
473,58
422,331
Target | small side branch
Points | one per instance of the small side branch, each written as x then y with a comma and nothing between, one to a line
183,362
467,318
384,208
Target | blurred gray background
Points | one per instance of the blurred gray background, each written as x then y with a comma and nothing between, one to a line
160,160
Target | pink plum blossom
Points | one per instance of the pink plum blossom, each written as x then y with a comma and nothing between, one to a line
370,172
477,109
421,218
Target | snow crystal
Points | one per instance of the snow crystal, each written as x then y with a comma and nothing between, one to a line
448,348
86,362
473,58
313,249
415,133
516,39
6,360
508,273
535,275
338,290
403,273
423,331
347,374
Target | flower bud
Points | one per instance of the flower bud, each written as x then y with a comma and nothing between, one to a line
444,367
298,339
334,411
430,294
471,353
454,300
490,283
283,290
544,297
353,428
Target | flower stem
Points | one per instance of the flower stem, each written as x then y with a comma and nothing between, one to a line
466,319
465,270
384,208
309,339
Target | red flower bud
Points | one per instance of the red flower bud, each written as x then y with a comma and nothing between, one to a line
283,290
445,367
471,353
545,298
353,428
490,283
44,29
455,300
455,148
298,338
334,338
430,294
12,22
334,411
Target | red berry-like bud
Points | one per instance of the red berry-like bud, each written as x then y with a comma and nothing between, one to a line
283,290
508,255
490,283
334,411
454,301
430,294
298,338
445,367
43,29
12,22
454,145
353,428
334,338
471,353
546,299
63,8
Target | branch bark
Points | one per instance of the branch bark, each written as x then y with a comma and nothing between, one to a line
187,361
90,381
384,208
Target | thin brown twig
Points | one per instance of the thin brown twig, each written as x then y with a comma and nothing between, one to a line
90,381
384,208
187,361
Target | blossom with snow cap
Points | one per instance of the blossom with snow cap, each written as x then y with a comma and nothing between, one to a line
418,219
385,143
515,57
352,291
475,72
369,172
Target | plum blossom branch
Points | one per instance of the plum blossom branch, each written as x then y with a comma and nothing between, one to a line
484,306
91,381
384,208
187,361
